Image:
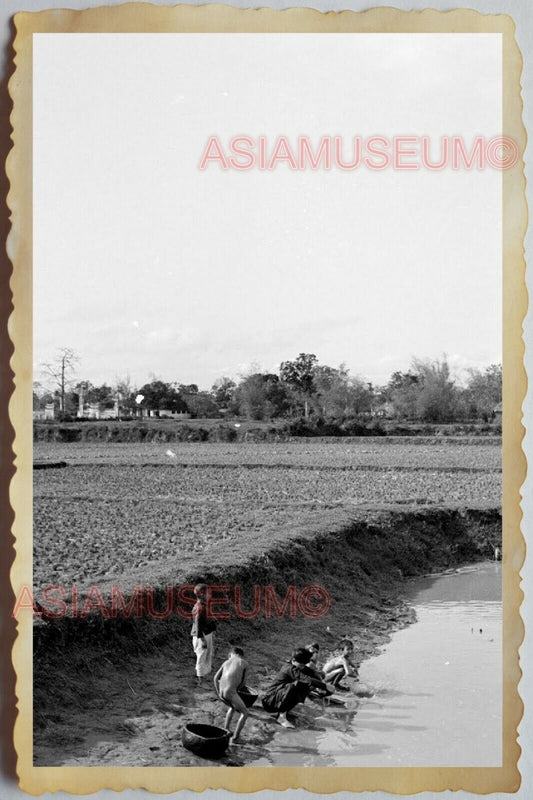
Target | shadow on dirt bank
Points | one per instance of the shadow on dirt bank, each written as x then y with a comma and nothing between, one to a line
117,691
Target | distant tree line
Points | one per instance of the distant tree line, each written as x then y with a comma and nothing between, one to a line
302,389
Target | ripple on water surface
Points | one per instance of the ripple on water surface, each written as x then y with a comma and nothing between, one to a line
438,687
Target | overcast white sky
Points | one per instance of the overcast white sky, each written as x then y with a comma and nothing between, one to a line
144,264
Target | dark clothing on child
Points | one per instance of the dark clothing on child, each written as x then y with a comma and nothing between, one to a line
201,623
202,633
290,686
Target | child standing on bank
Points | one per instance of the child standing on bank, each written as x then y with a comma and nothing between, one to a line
228,680
203,633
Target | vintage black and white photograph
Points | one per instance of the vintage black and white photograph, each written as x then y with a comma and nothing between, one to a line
267,400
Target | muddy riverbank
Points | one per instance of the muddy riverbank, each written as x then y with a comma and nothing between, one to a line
118,691
436,687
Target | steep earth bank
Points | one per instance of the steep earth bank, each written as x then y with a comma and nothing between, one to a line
119,690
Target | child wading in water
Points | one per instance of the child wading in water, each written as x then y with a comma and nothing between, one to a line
228,680
340,666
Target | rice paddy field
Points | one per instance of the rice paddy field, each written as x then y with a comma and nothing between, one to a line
120,506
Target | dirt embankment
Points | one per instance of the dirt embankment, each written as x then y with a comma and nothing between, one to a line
248,431
126,685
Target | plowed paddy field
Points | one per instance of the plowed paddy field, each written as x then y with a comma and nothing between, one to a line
124,506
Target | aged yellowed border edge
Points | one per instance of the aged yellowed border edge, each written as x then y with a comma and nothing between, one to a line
137,17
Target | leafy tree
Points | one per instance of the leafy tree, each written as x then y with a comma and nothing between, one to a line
103,395
159,394
299,375
402,391
126,394
339,396
484,391
200,404
261,396
222,392
360,396
437,399
187,388
324,377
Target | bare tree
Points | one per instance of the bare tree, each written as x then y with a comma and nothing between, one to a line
60,372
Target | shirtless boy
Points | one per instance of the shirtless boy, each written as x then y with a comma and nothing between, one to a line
229,678
340,666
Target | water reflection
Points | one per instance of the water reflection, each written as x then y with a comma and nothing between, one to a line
449,666
437,684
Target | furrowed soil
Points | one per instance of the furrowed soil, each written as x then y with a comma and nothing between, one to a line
118,691
141,508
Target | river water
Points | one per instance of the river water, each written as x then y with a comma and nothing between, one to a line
437,688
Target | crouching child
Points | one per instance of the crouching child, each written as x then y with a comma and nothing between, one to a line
228,680
292,685
341,666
